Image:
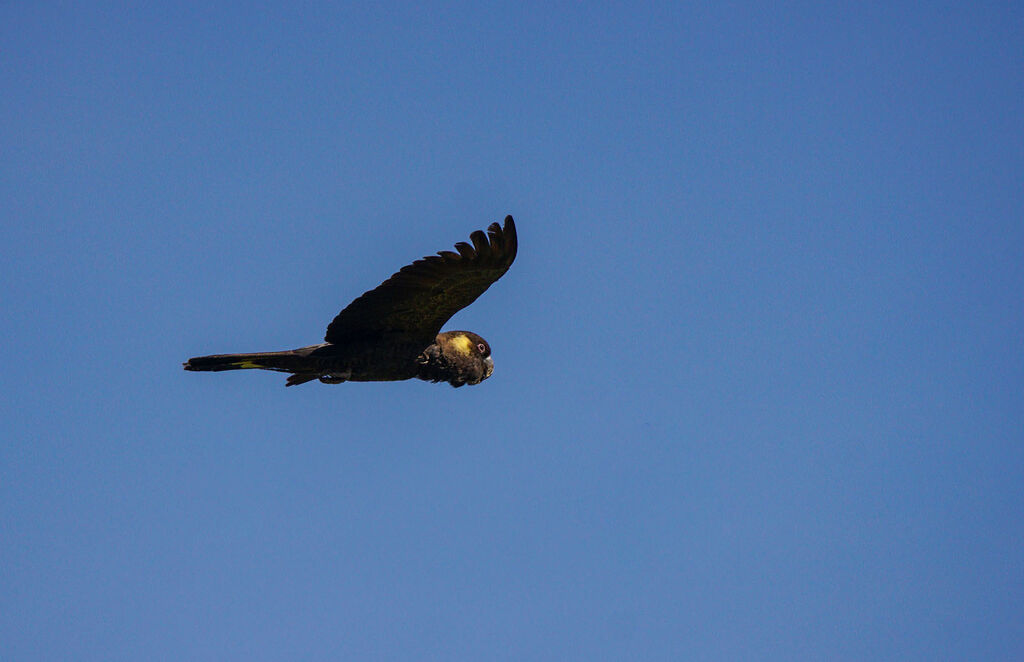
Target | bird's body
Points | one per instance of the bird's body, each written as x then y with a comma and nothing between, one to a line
392,332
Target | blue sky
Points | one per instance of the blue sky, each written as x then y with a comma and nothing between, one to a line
759,362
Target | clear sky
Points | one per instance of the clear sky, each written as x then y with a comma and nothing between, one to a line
759,385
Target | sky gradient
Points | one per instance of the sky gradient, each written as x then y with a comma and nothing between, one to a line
759,368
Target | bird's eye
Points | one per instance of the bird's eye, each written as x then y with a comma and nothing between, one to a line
482,347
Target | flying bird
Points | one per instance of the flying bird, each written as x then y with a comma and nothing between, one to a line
393,332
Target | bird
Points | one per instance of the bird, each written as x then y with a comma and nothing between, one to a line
393,332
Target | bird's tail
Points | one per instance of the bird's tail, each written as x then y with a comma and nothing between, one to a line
287,361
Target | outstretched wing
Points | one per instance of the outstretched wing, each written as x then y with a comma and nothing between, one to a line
420,298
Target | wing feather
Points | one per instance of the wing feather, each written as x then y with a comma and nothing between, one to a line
417,300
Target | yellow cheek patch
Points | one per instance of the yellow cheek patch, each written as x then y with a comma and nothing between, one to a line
462,345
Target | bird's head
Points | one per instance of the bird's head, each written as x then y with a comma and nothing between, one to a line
458,357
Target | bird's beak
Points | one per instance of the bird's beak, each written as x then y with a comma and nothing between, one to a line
489,362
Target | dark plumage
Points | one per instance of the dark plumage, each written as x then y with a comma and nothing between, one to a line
392,332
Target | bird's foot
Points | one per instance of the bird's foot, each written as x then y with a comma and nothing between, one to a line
335,377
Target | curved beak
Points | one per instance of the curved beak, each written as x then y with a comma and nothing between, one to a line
489,362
